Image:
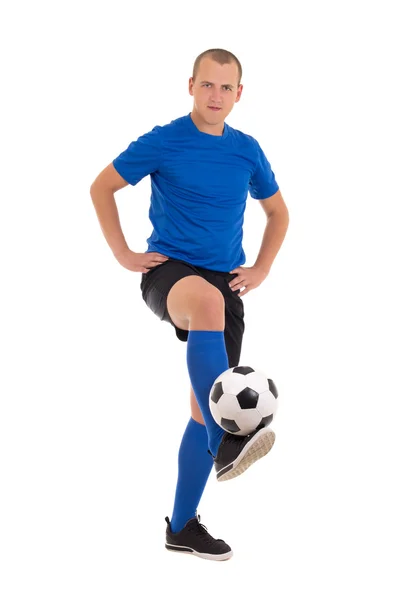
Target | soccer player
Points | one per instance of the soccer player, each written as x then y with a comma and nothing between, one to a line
193,277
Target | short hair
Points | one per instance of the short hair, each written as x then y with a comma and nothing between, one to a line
220,56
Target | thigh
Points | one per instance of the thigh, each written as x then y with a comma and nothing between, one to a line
156,284
193,302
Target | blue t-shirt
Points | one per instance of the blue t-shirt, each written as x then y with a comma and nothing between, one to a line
199,187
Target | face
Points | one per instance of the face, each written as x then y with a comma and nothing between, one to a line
215,86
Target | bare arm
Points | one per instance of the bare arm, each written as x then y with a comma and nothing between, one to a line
277,224
102,193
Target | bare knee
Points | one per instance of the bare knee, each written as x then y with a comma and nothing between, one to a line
193,303
210,302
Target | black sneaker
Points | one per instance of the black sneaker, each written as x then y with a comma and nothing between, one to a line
236,452
195,539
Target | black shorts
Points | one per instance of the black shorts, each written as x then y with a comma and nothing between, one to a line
156,284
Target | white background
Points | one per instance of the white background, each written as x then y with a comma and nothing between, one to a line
94,388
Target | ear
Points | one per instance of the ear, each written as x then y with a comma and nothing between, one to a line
191,86
239,92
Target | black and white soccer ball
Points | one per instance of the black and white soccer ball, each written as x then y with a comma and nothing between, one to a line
243,399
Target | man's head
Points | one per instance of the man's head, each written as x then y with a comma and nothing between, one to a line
215,83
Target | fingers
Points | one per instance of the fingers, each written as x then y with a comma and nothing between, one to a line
236,284
158,255
156,259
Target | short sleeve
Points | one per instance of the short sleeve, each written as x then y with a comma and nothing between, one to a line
141,157
262,181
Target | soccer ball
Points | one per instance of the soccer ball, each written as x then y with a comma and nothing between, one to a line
242,400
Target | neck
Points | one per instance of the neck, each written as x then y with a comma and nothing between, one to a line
204,127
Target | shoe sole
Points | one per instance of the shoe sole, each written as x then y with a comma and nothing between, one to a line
258,447
187,550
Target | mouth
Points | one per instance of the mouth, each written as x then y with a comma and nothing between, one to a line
215,108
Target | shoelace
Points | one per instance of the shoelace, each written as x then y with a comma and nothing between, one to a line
201,530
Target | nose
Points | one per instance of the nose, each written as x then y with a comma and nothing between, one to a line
216,97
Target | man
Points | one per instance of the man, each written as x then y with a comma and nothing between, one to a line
201,172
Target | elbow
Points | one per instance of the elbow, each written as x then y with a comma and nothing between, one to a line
94,189
282,214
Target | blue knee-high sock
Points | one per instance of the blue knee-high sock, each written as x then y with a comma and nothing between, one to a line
206,359
194,466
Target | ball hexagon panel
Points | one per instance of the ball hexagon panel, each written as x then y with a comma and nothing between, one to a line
233,383
257,381
228,406
248,420
267,403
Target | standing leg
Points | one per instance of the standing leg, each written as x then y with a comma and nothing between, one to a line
194,467
195,408
194,462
